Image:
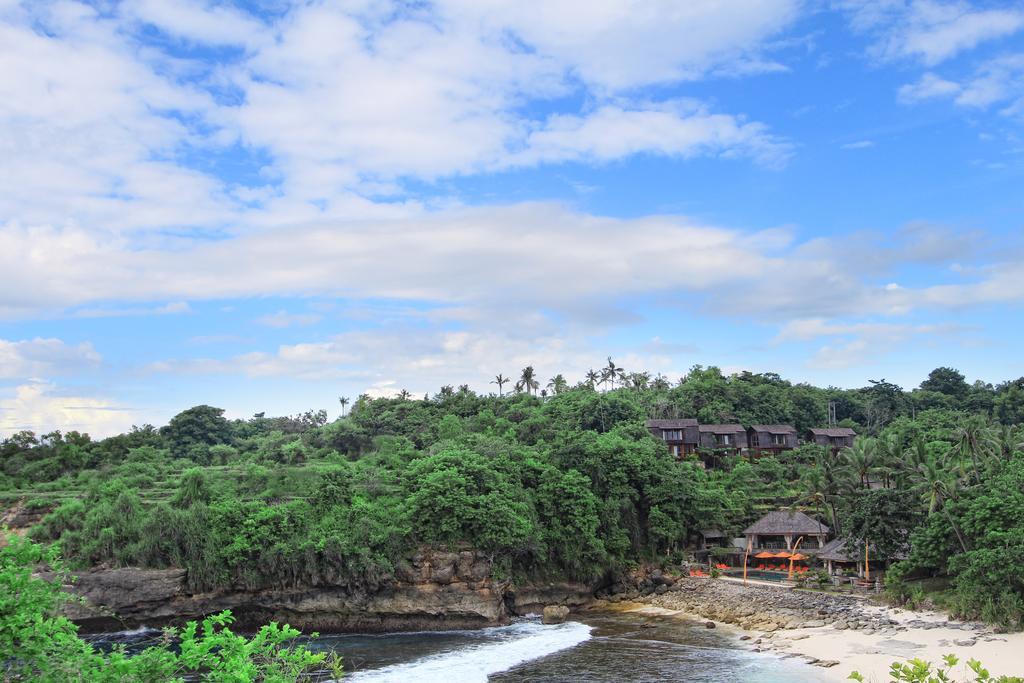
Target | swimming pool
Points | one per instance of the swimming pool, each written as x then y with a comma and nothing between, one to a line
760,575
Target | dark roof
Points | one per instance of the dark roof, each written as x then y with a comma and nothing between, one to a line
774,429
786,522
672,424
722,429
836,551
833,431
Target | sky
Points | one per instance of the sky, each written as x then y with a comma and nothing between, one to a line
266,205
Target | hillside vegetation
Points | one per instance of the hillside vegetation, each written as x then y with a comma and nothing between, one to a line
559,482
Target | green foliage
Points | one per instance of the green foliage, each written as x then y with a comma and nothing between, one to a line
568,485
921,671
39,646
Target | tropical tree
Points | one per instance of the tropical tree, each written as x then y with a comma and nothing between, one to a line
860,460
935,486
612,373
593,377
528,380
557,384
972,445
404,395
501,380
343,400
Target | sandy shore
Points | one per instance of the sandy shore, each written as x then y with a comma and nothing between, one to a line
922,635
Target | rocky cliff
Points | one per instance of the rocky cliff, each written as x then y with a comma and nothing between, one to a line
434,590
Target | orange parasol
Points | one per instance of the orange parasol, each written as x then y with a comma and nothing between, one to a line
798,557
781,553
763,555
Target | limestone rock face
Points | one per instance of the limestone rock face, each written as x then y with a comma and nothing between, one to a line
430,590
555,614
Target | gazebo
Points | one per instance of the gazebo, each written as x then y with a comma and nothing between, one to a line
780,529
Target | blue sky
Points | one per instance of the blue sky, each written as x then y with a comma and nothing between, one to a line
267,205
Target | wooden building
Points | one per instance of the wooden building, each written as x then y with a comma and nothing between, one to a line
835,438
771,439
725,439
680,435
779,530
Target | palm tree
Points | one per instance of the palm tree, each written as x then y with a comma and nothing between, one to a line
860,460
890,458
593,378
501,380
818,488
639,380
557,384
612,373
936,486
660,382
972,444
1005,440
343,400
404,395
527,381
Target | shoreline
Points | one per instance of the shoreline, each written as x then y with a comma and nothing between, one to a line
838,634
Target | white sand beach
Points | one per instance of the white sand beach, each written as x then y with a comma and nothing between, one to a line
927,635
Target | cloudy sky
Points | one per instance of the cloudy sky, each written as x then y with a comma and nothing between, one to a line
266,205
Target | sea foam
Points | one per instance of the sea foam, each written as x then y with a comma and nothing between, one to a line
474,663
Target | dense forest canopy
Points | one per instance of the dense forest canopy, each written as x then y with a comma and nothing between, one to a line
552,480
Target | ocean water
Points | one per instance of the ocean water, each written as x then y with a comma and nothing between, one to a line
602,648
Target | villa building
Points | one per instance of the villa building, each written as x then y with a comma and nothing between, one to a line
681,436
780,530
728,439
771,439
836,438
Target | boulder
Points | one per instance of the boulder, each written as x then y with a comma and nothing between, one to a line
555,614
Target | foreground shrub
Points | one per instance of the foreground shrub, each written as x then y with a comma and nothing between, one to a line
37,645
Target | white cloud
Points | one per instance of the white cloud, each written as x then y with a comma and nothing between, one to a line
91,133
39,407
929,87
682,129
173,308
997,80
622,44
477,263
929,31
198,22
282,319
853,344
38,357
860,144
421,361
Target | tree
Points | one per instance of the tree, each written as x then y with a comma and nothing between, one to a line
501,381
39,646
191,432
558,384
860,460
527,381
592,378
946,381
343,400
612,373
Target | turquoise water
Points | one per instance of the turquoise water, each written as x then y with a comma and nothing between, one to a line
760,575
595,647
602,648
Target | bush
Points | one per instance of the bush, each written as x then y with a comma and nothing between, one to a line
920,671
38,646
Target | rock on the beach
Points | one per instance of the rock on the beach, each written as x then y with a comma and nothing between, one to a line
555,614
709,624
